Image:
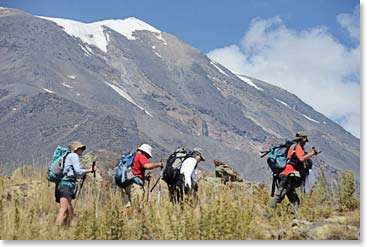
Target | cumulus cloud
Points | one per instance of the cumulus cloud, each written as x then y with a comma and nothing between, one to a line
351,22
310,63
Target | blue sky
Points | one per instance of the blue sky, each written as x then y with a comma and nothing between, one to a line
204,24
309,47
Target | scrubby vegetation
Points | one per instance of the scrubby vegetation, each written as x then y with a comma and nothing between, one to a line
232,211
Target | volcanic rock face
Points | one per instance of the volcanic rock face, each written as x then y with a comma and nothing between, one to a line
117,84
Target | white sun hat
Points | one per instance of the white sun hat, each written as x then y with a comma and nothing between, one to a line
146,148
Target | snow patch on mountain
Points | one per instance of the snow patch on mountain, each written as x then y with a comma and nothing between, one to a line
216,79
125,95
311,119
86,52
48,90
283,103
73,77
66,85
95,34
158,55
219,69
249,82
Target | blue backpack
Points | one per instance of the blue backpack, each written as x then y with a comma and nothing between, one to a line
56,168
277,159
123,170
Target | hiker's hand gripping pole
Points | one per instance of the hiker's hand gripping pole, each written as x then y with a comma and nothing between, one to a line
316,152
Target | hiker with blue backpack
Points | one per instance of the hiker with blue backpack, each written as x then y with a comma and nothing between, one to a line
64,172
290,178
130,174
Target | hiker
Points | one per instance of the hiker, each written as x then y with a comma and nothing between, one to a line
65,190
226,173
289,179
134,192
187,182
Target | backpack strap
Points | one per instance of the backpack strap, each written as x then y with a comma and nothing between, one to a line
65,178
293,158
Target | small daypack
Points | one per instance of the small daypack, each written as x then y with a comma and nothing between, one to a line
174,162
277,159
56,168
123,170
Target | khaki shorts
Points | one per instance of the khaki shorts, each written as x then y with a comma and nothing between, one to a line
132,195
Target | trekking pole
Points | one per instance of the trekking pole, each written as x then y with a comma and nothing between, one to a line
94,188
80,190
148,191
264,153
159,185
155,184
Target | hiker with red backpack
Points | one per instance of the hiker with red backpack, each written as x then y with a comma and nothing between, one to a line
289,179
66,186
132,187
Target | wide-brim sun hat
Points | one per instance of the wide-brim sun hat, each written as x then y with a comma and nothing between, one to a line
146,148
199,151
75,145
301,135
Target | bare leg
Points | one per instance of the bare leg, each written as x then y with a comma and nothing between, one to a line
70,212
63,212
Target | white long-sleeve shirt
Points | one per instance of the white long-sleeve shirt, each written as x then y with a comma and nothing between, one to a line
72,164
189,171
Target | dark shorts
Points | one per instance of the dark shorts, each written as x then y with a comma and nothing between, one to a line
63,191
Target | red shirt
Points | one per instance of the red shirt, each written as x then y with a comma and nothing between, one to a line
290,167
138,165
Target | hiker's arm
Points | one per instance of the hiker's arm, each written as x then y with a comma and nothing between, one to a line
150,166
303,157
90,170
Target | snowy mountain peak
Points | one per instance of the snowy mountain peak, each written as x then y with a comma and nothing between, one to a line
94,33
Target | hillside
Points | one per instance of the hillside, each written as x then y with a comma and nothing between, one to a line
116,84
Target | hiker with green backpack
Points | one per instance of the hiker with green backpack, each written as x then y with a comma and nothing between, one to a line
130,174
64,171
290,178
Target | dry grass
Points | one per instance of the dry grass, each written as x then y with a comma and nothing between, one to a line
237,211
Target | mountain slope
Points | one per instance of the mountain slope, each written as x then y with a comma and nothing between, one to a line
117,74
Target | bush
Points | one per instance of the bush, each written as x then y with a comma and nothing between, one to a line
346,197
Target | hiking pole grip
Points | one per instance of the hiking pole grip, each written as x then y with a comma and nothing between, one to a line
316,152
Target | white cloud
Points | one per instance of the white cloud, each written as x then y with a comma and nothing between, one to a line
309,63
350,22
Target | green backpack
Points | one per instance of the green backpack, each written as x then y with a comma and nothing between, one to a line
56,168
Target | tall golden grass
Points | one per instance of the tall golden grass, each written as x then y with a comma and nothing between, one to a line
235,211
